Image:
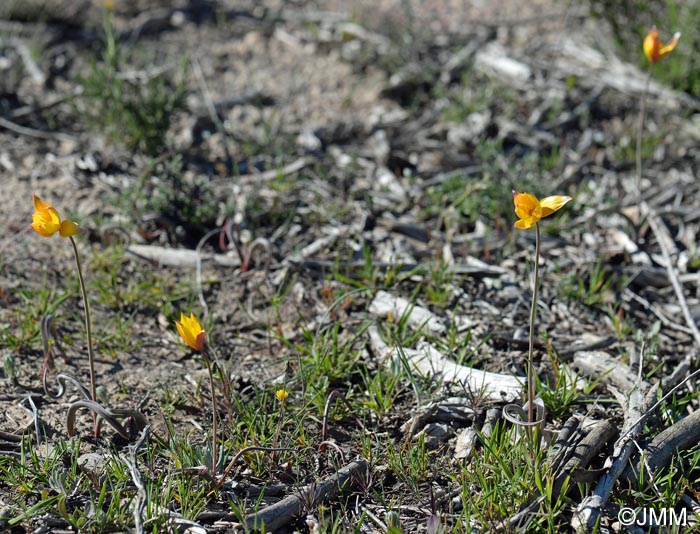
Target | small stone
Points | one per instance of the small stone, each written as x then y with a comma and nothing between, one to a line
309,141
92,462
494,59
466,440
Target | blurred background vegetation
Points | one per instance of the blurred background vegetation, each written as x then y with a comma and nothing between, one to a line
630,21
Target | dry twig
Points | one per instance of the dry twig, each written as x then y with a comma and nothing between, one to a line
39,134
634,398
141,495
282,512
665,445
663,239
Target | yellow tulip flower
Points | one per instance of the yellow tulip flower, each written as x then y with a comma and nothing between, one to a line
654,49
530,210
46,220
191,331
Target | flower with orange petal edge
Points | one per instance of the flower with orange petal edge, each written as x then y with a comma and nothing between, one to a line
654,49
191,331
46,220
530,210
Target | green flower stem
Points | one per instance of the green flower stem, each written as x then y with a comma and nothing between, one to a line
640,130
533,314
88,323
278,430
206,354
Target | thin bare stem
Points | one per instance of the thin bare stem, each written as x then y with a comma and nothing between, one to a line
88,322
640,131
661,233
278,430
327,410
533,314
213,414
655,223
105,414
322,446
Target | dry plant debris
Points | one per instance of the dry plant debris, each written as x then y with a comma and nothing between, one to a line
322,192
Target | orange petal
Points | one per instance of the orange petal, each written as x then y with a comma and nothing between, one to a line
535,213
552,204
193,324
525,201
651,45
524,224
527,208
46,221
68,228
668,48
184,334
191,331
654,49
39,204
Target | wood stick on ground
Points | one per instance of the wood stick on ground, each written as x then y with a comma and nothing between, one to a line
676,384
579,440
654,309
40,134
663,447
282,512
587,513
600,365
266,176
34,71
560,450
384,303
428,361
588,439
36,107
662,237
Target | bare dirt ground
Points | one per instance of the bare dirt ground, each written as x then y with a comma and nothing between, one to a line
373,145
